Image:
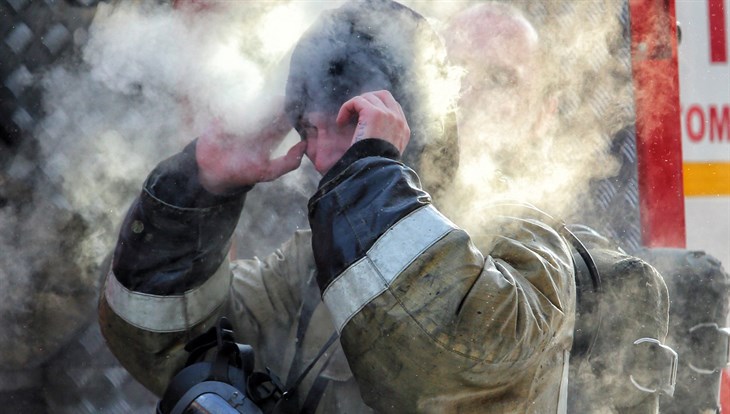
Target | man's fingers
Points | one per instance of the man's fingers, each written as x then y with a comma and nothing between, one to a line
351,108
296,152
375,100
384,96
390,101
286,163
381,99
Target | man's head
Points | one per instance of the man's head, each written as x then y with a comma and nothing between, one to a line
361,47
498,47
501,94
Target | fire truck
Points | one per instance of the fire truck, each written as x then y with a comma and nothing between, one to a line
704,85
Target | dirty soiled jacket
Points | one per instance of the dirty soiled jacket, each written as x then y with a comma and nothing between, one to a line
426,321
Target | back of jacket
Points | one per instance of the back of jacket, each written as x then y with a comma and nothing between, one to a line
427,322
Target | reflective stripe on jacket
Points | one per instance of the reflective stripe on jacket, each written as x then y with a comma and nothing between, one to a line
428,323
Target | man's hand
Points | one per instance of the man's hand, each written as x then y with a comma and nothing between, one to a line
379,115
227,161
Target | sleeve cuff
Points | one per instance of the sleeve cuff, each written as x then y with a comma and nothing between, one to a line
175,182
370,147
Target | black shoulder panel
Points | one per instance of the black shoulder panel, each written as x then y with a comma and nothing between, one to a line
176,234
353,209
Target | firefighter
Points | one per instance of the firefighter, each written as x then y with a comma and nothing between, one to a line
500,50
426,321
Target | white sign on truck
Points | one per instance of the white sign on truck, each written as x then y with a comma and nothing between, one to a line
704,82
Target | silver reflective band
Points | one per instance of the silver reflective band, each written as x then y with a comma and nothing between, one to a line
387,258
172,313
563,394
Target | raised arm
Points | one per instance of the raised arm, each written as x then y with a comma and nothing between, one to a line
426,319
170,278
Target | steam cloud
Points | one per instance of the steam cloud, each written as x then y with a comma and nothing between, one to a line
546,145
152,78
148,80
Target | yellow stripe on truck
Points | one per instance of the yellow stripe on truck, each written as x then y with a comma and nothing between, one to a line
706,178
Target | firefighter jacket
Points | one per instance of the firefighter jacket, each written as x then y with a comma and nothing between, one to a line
426,321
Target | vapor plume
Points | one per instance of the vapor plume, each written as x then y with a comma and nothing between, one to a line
151,77
147,81
544,134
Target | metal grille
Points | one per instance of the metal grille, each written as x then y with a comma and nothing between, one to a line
612,207
80,376
34,34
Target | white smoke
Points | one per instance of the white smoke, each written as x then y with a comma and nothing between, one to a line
151,77
147,81
545,143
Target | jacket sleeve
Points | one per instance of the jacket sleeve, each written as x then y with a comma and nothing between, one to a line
422,313
170,279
